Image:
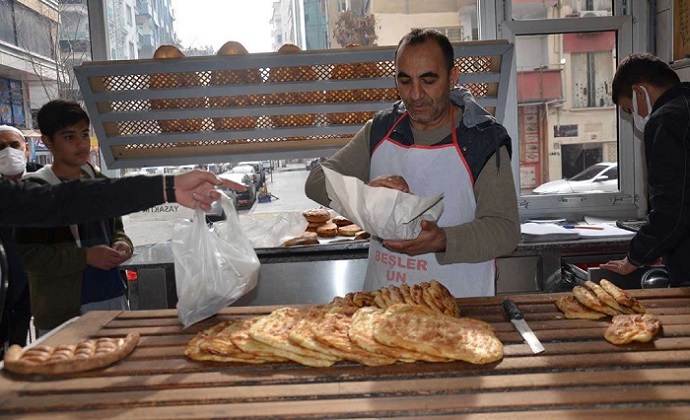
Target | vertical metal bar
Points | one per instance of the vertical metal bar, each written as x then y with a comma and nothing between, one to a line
98,30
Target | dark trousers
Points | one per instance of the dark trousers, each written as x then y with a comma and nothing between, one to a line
16,315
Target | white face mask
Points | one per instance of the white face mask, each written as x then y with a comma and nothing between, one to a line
12,161
638,120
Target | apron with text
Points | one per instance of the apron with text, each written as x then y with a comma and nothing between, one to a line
429,171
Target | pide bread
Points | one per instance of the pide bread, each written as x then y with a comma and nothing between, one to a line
66,359
345,329
636,327
606,298
415,328
590,300
622,297
573,309
317,215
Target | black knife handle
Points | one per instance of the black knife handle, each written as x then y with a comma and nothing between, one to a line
511,309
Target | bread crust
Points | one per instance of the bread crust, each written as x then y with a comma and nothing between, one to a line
317,215
622,297
67,359
636,327
327,230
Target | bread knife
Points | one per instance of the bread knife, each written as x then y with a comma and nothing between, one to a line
521,325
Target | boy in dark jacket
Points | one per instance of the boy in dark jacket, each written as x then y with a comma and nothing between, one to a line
72,269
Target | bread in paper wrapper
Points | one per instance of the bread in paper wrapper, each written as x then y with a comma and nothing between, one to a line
384,212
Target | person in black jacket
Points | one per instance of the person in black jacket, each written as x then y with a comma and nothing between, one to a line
652,92
24,203
16,312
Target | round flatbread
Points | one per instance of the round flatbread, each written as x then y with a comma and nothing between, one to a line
349,230
636,327
317,215
341,221
327,230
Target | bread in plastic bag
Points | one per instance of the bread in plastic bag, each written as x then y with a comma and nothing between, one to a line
213,268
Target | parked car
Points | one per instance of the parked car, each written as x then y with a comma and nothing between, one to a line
601,177
314,162
245,199
249,170
260,170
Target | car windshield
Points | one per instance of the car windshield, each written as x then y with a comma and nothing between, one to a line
588,173
239,178
242,170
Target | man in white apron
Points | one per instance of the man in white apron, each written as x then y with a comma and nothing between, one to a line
435,141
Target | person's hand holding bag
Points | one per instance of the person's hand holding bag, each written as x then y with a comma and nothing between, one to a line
212,268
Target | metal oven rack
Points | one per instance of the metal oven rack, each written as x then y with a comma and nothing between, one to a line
258,106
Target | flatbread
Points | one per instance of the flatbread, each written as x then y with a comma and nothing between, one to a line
637,327
361,333
274,330
622,297
73,358
217,344
573,309
418,329
442,298
333,330
606,298
590,300
301,333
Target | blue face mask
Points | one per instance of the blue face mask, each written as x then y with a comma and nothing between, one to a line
639,120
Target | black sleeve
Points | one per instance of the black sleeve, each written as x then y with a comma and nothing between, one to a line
668,178
25,203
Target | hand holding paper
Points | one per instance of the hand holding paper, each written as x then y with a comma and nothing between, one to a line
384,212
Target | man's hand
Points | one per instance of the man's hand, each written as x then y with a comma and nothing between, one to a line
197,188
431,239
395,182
103,257
619,266
124,249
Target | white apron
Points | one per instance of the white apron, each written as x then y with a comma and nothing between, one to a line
429,171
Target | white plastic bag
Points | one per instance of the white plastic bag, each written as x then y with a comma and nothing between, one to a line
211,271
270,230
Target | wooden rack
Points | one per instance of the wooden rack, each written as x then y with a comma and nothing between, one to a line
258,106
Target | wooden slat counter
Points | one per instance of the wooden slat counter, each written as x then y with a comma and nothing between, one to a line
579,374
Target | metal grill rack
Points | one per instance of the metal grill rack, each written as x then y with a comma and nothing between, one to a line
258,106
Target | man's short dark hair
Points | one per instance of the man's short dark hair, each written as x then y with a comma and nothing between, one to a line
58,114
641,68
420,36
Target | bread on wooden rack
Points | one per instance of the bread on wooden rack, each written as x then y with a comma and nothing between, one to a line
175,80
292,74
234,77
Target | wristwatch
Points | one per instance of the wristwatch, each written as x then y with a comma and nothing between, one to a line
170,189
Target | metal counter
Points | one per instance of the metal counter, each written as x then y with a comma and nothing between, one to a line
315,274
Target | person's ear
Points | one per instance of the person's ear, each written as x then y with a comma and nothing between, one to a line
453,77
47,142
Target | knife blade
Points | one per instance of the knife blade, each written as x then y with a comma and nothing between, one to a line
518,320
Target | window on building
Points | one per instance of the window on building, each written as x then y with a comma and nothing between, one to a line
128,12
567,123
132,51
7,30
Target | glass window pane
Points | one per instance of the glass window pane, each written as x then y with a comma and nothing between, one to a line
567,121
555,9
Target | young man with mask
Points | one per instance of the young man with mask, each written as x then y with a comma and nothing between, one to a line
652,92
16,312
437,140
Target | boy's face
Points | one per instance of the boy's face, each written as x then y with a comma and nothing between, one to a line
71,145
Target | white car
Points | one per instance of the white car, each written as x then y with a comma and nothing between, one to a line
602,177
